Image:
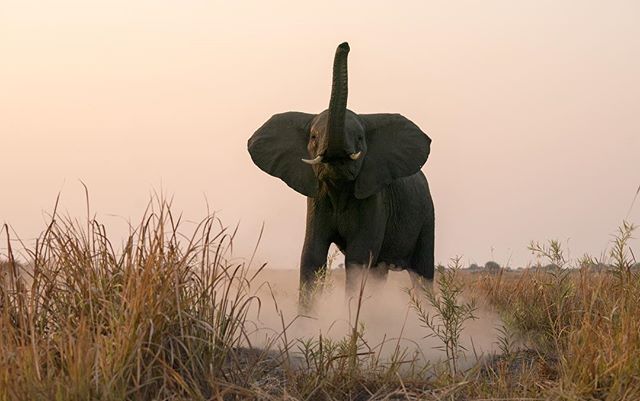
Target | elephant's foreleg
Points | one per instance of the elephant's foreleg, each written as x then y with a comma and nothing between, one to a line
362,253
313,265
355,279
313,261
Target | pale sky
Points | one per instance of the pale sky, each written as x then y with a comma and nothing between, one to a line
533,108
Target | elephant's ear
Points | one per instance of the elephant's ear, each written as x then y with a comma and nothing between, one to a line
396,148
278,147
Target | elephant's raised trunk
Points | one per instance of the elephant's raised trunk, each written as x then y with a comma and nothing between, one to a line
338,104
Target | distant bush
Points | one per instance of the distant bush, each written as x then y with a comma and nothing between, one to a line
492,267
550,267
474,267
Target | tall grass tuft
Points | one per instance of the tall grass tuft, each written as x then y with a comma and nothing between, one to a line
449,312
157,319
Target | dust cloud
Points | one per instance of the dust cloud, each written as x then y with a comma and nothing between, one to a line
386,316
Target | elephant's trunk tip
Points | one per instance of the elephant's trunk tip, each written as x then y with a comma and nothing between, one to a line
338,102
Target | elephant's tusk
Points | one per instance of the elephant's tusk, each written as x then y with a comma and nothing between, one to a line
355,156
317,160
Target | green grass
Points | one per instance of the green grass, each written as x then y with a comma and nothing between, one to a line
165,317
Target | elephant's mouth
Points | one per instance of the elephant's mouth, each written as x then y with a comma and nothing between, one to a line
338,170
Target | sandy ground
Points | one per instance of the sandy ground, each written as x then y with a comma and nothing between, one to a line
386,316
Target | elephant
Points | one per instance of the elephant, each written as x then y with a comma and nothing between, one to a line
361,174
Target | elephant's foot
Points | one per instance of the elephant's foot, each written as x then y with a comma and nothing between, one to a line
309,294
305,302
419,283
308,297
364,281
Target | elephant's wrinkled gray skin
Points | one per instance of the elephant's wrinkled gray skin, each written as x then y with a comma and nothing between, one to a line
361,175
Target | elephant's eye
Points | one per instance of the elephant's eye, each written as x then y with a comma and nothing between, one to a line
313,136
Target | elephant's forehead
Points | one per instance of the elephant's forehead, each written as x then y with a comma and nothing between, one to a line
320,122
352,122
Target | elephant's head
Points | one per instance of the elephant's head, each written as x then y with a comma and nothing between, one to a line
338,145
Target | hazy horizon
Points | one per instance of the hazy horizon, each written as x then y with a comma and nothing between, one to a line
532,108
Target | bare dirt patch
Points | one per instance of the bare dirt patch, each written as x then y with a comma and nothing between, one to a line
386,317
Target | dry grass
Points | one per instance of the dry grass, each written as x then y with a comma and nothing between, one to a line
584,324
166,317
